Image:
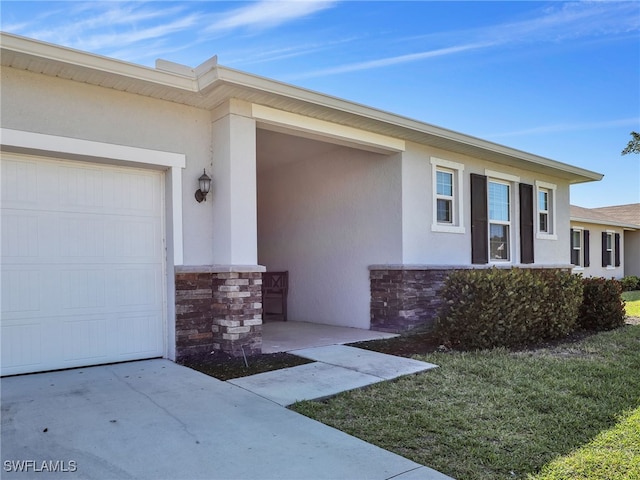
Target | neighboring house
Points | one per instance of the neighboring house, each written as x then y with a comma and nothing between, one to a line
107,255
605,242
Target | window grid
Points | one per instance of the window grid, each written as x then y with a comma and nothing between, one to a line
447,196
543,210
609,250
576,252
444,196
499,220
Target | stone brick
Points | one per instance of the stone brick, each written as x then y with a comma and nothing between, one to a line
218,311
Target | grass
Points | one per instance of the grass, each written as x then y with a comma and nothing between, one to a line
632,303
614,453
500,414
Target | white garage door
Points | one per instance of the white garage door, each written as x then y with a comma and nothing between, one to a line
82,264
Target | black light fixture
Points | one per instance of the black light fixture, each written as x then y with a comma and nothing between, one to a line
205,185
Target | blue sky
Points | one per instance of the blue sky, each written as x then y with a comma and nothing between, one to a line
558,79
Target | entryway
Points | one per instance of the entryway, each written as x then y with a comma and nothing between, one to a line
291,335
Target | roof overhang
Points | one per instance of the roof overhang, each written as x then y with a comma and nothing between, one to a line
210,85
608,223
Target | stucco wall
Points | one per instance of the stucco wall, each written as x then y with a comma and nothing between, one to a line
325,219
595,269
632,253
53,106
421,245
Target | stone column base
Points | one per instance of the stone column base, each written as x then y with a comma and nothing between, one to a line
218,309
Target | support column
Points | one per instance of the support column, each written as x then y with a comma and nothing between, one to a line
218,309
235,230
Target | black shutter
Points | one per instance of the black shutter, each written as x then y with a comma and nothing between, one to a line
585,245
617,249
571,245
479,220
605,260
526,223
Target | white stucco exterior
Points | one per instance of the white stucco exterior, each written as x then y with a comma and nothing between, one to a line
595,268
303,182
423,245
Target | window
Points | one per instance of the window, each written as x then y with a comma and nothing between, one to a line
492,213
576,248
444,196
580,247
447,196
499,220
610,249
543,209
546,210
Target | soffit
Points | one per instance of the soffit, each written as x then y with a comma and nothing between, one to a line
219,84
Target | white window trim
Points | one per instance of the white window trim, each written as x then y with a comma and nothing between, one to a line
458,196
501,176
552,188
580,267
509,180
613,249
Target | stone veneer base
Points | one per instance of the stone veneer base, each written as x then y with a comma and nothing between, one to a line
404,297
218,309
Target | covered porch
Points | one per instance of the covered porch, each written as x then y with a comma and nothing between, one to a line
278,336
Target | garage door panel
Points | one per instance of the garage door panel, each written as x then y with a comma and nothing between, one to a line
82,289
20,234
134,338
137,287
19,183
85,338
21,290
83,277
130,194
80,189
81,236
133,237
21,347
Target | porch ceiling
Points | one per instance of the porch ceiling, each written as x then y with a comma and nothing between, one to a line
208,88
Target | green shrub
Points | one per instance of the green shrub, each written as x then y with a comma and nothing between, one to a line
496,307
630,283
602,305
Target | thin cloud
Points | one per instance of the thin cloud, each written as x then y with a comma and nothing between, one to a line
268,14
568,127
103,25
389,61
555,24
251,57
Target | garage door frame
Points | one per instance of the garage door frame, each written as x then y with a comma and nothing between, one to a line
66,148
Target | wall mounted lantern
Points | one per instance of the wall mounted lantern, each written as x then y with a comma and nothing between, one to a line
204,182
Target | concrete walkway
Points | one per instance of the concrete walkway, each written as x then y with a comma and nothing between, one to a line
155,419
288,336
336,368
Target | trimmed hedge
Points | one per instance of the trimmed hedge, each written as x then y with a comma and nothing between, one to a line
602,306
630,283
497,307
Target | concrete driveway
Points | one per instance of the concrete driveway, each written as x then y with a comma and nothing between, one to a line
158,420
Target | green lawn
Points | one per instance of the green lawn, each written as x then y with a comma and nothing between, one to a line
632,303
499,414
612,454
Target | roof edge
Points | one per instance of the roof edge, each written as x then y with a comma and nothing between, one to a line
207,75
248,80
